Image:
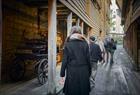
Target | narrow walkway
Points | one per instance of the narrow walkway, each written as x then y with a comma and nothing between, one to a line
118,78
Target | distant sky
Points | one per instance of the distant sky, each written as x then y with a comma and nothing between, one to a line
114,5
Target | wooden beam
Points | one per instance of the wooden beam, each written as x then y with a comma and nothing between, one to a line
78,22
83,4
79,11
0,37
71,7
82,27
69,24
52,47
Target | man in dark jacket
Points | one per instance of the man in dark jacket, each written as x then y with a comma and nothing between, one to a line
76,64
95,56
110,47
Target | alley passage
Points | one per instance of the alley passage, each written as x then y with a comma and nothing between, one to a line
112,79
117,79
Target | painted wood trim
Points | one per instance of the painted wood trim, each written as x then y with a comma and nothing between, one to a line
83,4
81,14
69,24
52,33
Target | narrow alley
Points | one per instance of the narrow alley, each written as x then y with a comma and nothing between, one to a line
119,78
48,45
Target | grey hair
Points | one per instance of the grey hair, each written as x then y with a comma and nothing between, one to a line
75,29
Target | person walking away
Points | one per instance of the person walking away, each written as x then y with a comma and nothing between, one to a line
76,64
113,48
95,56
110,48
101,45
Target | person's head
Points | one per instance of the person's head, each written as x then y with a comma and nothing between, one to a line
76,29
92,39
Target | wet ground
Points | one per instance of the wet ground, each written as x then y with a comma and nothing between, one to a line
119,78
30,87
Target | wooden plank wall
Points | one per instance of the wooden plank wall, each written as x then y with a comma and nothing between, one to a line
131,43
79,8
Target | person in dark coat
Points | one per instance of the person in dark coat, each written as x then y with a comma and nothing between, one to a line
110,47
76,64
95,56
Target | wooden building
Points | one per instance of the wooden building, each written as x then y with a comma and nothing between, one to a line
131,21
49,19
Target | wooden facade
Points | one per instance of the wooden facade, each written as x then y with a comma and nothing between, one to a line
131,21
79,8
53,19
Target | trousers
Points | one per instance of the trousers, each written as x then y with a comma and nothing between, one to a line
93,75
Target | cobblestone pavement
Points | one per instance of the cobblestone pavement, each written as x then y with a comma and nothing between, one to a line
118,78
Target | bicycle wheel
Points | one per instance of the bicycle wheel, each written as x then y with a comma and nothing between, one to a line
42,74
17,69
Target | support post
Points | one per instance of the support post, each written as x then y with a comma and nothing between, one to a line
82,27
69,24
0,37
52,47
78,22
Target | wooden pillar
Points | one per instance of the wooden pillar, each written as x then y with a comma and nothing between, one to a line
52,47
0,37
69,24
82,27
78,22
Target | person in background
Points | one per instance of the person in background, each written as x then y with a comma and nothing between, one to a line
95,56
76,64
101,45
113,48
110,47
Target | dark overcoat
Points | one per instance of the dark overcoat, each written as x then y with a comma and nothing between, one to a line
95,53
76,66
